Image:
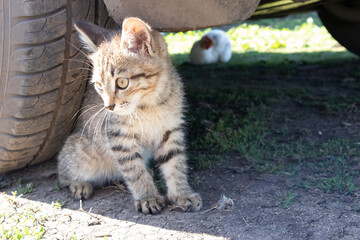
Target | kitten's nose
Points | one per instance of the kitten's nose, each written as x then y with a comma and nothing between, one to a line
110,107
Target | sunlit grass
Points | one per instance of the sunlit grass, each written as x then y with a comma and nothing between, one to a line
304,33
20,222
305,37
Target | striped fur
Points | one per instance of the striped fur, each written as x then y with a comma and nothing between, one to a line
144,122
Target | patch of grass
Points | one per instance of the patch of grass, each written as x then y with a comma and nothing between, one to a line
57,186
59,203
21,223
338,146
291,22
328,104
237,120
295,34
289,156
21,189
216,128
200,161
73,237
332,174
287,200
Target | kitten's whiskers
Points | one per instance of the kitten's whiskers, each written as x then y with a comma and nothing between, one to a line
80,50
98,128
77,60
93,106
81,68
90,122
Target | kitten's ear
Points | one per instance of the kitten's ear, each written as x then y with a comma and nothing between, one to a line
92,35
136,37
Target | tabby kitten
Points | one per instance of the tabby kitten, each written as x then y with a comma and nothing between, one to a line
143,117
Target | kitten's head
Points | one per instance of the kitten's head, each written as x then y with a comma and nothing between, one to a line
130,68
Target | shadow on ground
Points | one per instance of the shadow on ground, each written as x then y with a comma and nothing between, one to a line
303,122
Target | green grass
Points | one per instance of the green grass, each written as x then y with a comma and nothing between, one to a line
291,22
287,200
21,189
237,119
73,237
226,122
59,203
231,108
19,222
296,34
57,186
333,173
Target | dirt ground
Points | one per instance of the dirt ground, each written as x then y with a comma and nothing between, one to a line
259,209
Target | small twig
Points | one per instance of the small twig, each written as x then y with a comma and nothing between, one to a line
247,224
224,204
104,235
81,206
90,214
213,207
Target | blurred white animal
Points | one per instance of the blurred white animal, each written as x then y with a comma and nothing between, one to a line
214,47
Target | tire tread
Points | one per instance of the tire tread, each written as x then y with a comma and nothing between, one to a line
45,89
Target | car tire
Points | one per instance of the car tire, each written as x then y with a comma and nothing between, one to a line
343,23
42,77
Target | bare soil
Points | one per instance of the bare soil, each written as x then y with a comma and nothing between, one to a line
258,211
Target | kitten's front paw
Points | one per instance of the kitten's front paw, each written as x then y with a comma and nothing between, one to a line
81,190
191,202
150,205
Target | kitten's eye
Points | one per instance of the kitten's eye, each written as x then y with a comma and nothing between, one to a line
99,86
122,83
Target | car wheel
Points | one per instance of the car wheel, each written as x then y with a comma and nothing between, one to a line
42,77
342,20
